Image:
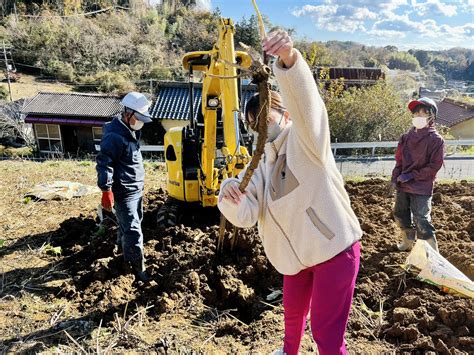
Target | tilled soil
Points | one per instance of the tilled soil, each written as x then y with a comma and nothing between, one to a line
418,316
194,279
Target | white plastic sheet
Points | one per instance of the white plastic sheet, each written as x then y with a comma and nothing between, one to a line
61,190
435,269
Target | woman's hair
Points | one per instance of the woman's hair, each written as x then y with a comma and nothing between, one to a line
253,106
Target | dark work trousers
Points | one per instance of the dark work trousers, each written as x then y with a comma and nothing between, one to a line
129,211
414,211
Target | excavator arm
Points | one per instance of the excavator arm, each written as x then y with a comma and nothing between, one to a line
220,94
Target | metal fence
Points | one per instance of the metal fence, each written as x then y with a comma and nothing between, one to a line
454,144
456,166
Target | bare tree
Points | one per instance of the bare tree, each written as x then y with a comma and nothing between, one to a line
12,125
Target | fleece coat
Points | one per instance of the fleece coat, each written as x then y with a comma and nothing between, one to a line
297,195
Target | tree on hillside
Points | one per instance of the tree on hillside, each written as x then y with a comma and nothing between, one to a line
469,72
12,126
196,32
316,54
71,48
175,5
63,7
423,57
365,114
371,62
440,64
391,48
403,61
246,31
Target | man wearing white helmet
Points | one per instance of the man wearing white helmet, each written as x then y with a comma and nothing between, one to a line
419,156
120,176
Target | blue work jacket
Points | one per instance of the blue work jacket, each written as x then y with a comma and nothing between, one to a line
119,162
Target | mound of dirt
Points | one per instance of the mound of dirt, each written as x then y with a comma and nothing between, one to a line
190,274
415,315
183,262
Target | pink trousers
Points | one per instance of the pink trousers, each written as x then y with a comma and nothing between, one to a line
327,289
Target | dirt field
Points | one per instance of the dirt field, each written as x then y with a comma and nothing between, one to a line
62,286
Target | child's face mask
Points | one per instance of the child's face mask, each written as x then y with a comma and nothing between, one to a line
420,122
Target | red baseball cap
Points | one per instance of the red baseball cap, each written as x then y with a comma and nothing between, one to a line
426,101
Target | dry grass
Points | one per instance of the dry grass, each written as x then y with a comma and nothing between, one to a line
28,267
29,86
21,217
16,152
37,322
34,320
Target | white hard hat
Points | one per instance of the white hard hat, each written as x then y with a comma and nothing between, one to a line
138,103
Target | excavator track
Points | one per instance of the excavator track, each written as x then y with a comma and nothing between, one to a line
169,214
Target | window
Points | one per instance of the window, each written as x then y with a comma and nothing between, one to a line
97,134
49,138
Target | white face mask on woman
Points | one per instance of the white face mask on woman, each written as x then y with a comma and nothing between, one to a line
420,122
274,129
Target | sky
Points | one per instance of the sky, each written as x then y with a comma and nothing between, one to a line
417,24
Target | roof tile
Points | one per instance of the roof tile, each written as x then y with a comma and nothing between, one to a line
172,102
73,104
451,112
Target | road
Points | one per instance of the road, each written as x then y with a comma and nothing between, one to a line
455,166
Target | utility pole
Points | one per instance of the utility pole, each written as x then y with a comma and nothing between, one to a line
7,70
151,86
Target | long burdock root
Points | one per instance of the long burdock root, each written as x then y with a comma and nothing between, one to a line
260,77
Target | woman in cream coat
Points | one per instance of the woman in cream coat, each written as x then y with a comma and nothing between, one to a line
297,198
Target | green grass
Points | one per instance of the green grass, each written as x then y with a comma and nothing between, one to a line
16,152
469,151
85,163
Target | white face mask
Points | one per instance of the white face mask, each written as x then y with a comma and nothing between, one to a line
420,122
274,129
137,126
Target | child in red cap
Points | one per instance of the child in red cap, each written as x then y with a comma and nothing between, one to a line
419,156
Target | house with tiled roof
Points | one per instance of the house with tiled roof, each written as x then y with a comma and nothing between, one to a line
458,116
70,123
172,105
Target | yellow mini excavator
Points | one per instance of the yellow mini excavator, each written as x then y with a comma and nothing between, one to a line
215,145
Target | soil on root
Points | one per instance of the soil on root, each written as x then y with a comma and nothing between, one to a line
190,276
